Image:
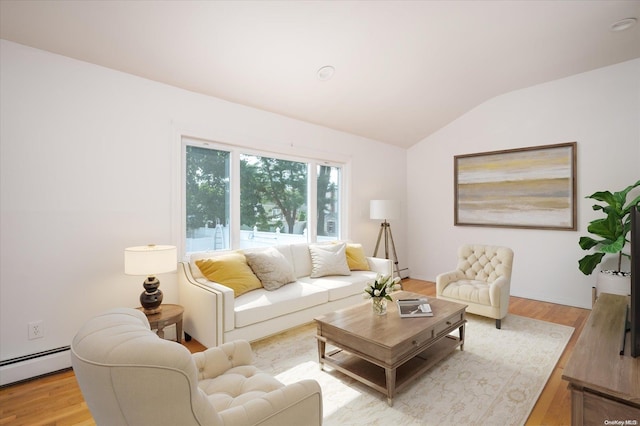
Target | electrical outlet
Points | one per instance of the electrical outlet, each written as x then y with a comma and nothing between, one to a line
36,330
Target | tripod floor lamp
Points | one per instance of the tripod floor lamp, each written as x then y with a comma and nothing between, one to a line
385,210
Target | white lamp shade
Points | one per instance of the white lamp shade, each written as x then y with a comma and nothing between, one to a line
384,209
150,260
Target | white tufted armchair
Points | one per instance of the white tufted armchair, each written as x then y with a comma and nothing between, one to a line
130,376
482,280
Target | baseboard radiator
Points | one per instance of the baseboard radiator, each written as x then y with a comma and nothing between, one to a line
34,365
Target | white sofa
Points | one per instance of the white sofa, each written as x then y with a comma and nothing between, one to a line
213,315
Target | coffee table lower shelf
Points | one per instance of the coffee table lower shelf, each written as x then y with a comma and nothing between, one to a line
377,376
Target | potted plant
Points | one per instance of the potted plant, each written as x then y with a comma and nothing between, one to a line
610,238
379,292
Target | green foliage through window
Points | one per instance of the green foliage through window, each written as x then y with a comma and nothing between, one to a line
273,194
273,199
207,192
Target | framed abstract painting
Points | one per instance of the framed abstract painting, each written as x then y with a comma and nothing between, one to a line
531,187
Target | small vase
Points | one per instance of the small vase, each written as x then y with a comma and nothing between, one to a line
379,305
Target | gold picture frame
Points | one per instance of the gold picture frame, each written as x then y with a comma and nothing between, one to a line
532,187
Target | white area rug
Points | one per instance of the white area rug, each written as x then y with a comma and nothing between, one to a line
496,380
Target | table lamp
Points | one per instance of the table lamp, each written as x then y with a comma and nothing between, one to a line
385,209
150,260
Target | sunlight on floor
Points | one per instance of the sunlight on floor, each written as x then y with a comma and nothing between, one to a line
342,394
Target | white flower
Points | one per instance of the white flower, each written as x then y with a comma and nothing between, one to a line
382,286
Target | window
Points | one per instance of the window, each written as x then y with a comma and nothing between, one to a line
239,199
206,199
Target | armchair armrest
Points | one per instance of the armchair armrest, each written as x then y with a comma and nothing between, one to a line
215,361
499,290
298,403
446,278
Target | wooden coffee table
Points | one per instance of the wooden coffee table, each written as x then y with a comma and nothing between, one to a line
387,352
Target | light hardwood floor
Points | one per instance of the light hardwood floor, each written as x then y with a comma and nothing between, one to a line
56,399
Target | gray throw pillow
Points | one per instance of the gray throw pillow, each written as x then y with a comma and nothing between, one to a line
271,267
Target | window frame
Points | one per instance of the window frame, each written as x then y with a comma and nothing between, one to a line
235,152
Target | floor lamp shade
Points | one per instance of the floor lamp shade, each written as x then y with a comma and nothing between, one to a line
384,209
148,261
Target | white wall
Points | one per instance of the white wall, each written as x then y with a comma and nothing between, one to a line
600,110
89,165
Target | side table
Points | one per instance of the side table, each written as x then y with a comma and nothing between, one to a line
170,314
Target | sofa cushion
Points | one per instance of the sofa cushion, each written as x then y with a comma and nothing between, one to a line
271,267
301,259
340,287
231,270
261,305
356,259
328,259
471,290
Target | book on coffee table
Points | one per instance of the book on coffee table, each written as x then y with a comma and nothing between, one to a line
411,308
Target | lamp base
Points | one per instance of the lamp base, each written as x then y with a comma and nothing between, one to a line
151,297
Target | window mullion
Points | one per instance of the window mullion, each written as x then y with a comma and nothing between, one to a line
312,202
235,199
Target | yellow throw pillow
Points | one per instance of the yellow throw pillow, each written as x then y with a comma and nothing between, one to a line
230,270
356,259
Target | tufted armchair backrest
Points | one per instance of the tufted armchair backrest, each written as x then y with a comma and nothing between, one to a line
485,263
129,376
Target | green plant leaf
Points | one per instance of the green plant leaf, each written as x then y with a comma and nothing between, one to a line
587,242
635,202
628,189
605,196
608,228
588,263
614,247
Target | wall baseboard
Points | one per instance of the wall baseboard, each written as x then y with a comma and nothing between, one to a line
34,367
404,273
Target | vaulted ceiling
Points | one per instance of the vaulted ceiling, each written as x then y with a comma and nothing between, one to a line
403,69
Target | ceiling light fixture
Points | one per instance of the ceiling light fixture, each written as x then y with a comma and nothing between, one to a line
325,73
623,24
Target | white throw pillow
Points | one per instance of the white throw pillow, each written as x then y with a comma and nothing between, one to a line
328,259
271,267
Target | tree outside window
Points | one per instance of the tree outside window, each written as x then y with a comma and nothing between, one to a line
274,205
207,198
328,184
273,194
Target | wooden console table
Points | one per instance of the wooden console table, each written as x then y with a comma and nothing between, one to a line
605,386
